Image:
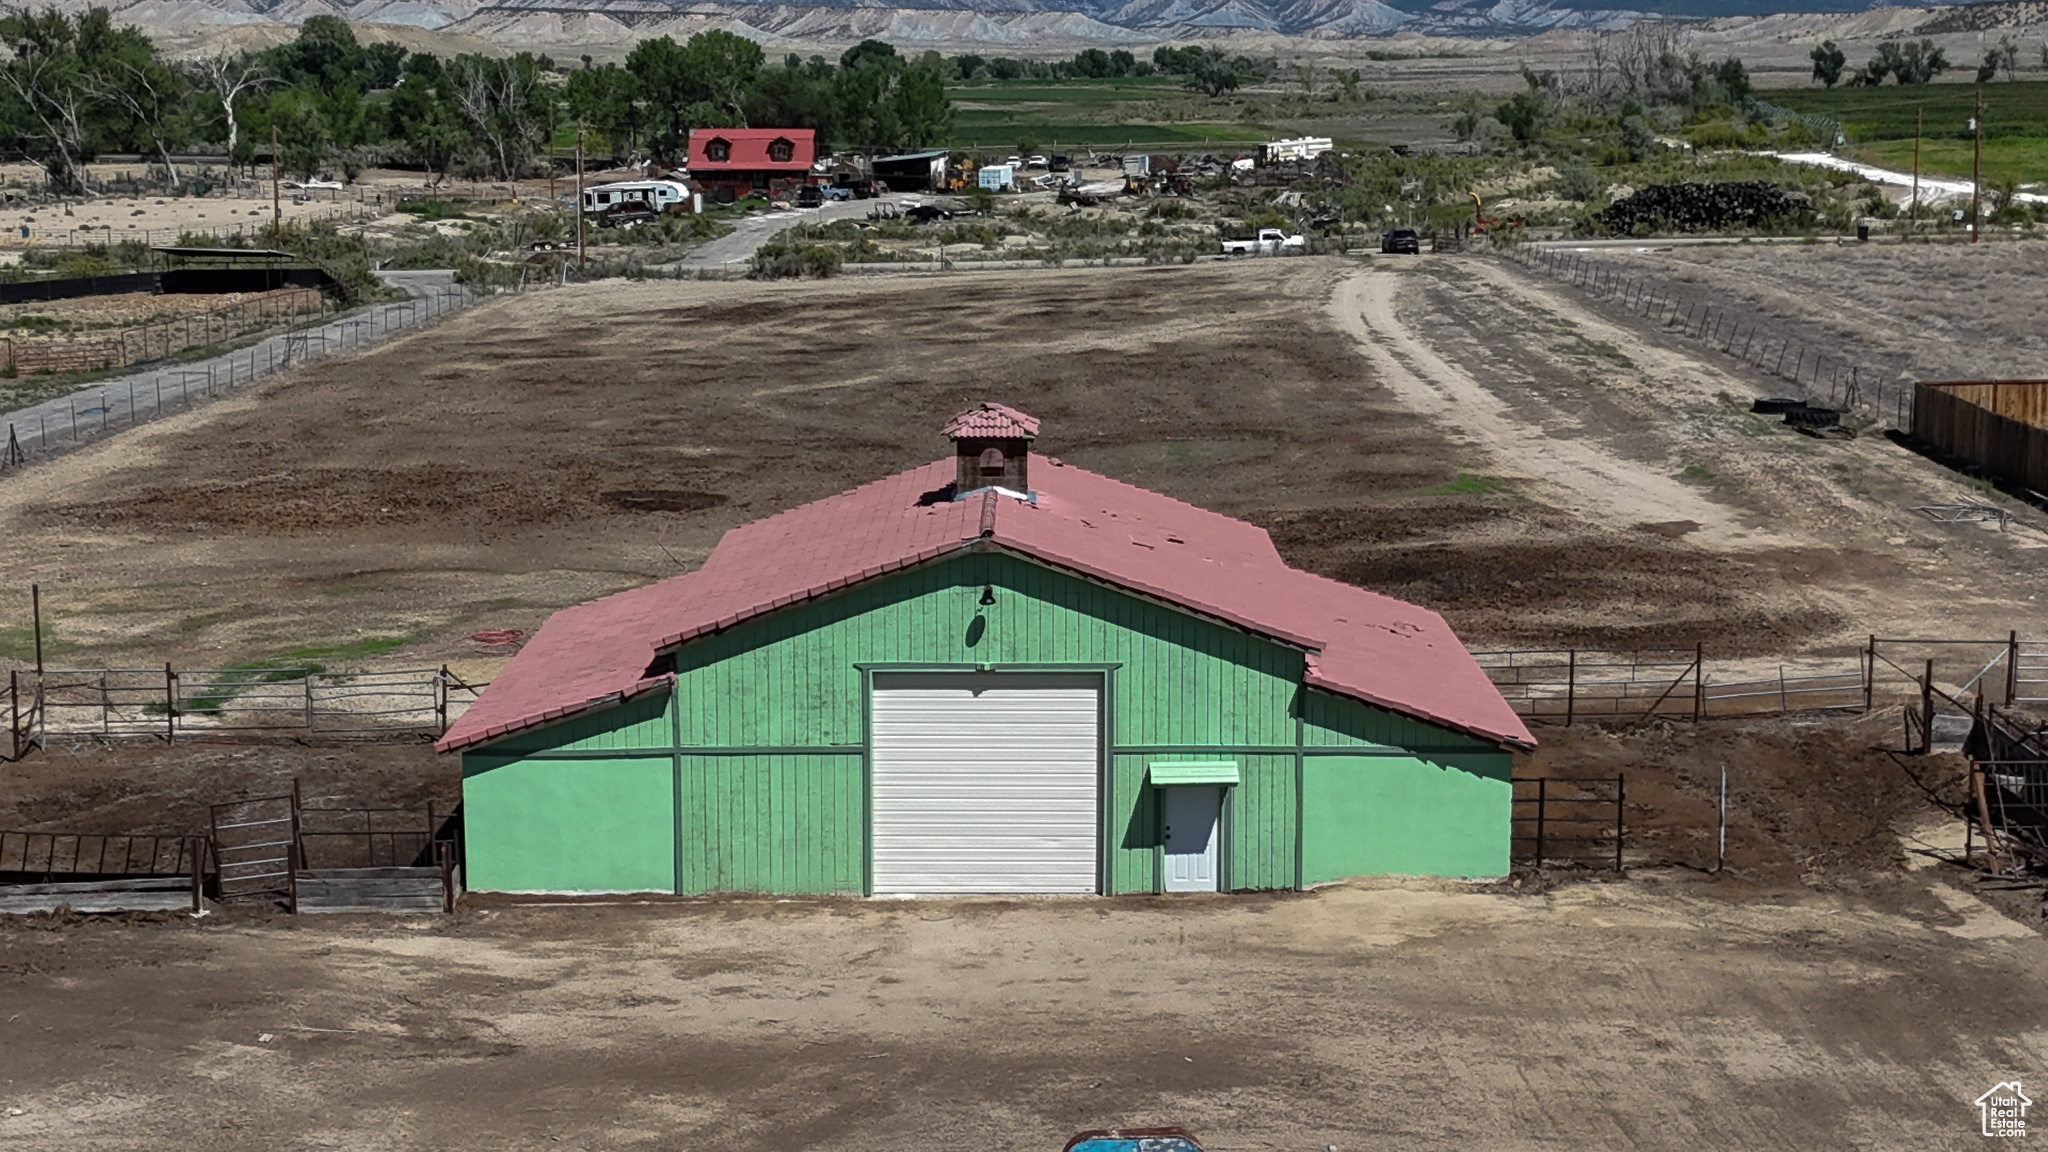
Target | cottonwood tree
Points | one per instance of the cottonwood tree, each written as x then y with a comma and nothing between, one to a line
50,92
719,68
149,98
224,77
1828,62
499,104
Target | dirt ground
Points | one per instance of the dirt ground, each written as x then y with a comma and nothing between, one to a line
1385,1015
1578,483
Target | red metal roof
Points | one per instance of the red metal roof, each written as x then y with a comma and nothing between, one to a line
750,149
1357,643
992,422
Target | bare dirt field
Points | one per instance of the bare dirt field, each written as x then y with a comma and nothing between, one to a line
1447,430
1669,1012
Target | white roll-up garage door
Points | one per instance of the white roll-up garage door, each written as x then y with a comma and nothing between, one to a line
985,782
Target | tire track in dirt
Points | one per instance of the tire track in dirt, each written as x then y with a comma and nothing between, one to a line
1575,474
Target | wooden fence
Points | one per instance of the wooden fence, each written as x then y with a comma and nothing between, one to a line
1999,427
160,339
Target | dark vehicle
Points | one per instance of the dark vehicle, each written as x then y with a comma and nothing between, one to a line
627,214
1398,240
926,213
809,196
1060,163
864,189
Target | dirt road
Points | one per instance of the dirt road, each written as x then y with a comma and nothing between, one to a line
1396,1015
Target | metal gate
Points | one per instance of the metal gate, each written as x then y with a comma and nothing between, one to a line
2029,672
256,847
1568,820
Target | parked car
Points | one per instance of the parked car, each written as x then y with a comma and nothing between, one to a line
1035,162
810,196
1269,242
836,192
627,214
1060,163
865,189
1406,240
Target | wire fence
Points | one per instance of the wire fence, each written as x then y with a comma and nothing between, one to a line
94,412
1879,392
158,339
1568,686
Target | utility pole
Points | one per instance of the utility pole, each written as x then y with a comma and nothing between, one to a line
276,204
579,198
1919,127
1977,173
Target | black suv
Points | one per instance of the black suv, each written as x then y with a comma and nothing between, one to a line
627,213
1406,240
809,196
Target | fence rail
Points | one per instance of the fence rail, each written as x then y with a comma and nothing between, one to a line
1577,685
1568,820
50,854
114,703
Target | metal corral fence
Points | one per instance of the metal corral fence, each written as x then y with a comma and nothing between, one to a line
113,703
1568,820
92,412
161,338
1847,385
1576,685
46,855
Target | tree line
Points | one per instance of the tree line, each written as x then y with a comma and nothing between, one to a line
76,87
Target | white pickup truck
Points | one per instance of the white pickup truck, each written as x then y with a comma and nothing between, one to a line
1270,242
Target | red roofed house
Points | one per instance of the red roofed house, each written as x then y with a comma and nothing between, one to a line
992,673
731,162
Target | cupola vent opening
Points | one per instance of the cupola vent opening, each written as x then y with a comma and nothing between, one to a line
992,448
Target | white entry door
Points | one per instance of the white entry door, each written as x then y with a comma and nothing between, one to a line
986,782
1192,816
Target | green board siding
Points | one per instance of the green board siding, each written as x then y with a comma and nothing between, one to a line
792,680
638,723
1335,722
783,824
1441,815
752,776
570,826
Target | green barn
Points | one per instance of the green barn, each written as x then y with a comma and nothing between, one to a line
993,674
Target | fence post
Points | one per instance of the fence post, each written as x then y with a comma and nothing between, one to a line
1619,792
1539,822
1927,709
309,704
1571,684
1869,672
441,700
1699,681
14,707
2012,667
194,845
170,704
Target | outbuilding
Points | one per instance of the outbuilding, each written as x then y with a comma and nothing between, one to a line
996,673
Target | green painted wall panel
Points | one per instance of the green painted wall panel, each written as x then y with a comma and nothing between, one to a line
791,680
570,825
1134,827
1262,819
1438,815
1337,722
786,824
638,723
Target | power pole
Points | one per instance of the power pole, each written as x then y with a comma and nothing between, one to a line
1977,172
276,204
579,198
1919,126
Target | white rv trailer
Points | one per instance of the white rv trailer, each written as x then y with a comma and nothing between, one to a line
661,195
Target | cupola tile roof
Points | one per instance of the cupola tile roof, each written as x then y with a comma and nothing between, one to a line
1354,643
992,422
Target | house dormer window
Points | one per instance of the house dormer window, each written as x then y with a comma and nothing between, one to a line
781,150
718,151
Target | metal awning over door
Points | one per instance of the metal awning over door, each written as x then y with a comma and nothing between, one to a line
986,782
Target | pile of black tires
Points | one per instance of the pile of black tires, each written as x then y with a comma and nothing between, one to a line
1702,207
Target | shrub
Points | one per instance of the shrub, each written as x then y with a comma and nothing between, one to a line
786,261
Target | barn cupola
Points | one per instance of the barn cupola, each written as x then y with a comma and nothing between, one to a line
992,449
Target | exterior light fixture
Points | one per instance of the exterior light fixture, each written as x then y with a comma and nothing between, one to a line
988,594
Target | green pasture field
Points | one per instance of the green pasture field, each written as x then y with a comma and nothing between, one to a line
1879,123
1003,130
1872,114
1085,92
